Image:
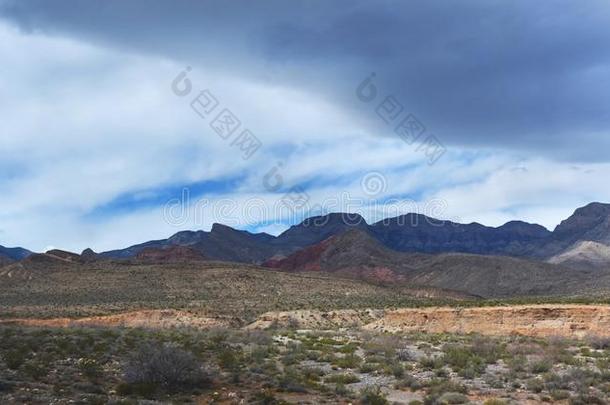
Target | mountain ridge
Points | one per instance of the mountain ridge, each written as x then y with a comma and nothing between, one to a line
408,233
9,255
412,232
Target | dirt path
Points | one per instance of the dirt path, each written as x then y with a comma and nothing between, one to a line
531,320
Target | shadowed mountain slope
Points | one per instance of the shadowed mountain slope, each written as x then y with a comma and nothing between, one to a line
419,233
14,253
356,254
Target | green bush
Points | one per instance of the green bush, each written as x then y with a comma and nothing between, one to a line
372,395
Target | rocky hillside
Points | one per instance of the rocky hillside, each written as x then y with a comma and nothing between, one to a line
4,260
169,254
586,254
588,224
356,254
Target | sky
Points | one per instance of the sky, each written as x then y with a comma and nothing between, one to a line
124,121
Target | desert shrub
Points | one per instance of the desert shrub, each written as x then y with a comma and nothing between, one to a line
295,354
348,361
292,381
598,342
313,374
522,348
494,401
368,367
461,357
348,348
372,395
382,345
468,373
90,368
540,366
14,358
404,354
517,364
587,400
264,397
259,353
163,366
489,350
408,381
346,378
228,359
430,363
438,387
35,369
535,385
329,341
341,390
257,337
582,378
453,398
396,370
558,395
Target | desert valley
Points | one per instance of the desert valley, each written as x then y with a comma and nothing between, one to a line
333,310
353,202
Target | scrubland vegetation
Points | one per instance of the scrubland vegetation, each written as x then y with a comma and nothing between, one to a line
124,366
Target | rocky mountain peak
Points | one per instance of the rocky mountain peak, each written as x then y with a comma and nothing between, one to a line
591,223
187,237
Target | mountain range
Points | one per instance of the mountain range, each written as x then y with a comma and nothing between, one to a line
583,237
411,248
581,240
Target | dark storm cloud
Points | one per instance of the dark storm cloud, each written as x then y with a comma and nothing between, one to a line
524,75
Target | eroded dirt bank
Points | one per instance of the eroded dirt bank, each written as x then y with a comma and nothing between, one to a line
531,320
165,318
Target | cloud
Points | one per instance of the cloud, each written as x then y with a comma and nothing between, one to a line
533,78
94,145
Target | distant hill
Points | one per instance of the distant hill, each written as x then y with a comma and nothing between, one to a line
14,253
221,243
411,233
38,265
169,254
